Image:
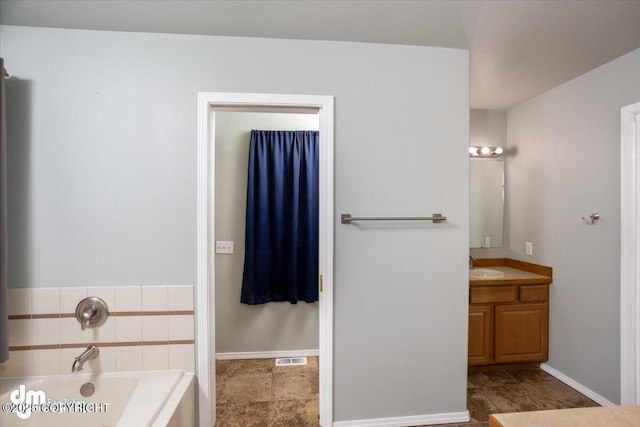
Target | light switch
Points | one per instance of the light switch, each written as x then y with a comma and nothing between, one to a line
224,247
528,248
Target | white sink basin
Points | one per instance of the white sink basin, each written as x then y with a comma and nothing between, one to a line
485,273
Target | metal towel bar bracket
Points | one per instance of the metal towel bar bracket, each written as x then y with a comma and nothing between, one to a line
436,218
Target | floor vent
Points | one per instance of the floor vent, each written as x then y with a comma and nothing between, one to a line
291,361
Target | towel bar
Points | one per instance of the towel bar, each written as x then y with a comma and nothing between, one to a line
436,218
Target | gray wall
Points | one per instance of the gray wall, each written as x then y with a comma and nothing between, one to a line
242,327
487,128
566,165
103,187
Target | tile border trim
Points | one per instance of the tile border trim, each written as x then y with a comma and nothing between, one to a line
113,313
99,344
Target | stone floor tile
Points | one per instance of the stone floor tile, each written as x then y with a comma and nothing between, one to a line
294,413
479,405
511,398
295,385
530,375
557,395
244,388
250,414
490,379
229,368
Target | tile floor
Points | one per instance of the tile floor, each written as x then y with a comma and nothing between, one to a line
516,390
255,393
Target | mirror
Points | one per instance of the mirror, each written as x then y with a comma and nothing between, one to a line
486,203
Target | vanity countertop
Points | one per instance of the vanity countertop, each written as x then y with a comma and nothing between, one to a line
515,272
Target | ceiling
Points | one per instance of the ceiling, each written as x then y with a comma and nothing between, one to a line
518,48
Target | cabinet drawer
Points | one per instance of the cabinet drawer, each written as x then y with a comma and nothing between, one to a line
487,294
534,293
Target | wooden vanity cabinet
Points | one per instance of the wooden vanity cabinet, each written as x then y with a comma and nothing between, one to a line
508,324
480,334
521,333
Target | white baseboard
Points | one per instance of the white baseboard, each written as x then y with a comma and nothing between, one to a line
576,385
267,354
414,420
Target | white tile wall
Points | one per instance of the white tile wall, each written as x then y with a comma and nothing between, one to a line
67,356
180,297
45,300
154,298
155,328
19,301
107,294
181,327
128,298
46,362
155,357
20,364
129,326
128,358
181,356
70,332
105,362
70,297
45,331
103,333
20,332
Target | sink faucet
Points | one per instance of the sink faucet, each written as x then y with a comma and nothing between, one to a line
471,259
90,353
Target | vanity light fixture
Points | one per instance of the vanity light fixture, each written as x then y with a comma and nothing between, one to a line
475,151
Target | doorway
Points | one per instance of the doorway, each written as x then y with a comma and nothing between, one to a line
251,387
208,104
629,263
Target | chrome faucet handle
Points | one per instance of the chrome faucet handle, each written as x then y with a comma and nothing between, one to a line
86,316
91,312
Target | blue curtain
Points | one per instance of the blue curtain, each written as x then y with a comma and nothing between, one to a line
281,242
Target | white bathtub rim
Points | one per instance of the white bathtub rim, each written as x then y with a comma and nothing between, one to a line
149,397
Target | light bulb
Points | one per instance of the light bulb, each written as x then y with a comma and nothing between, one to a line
473,151
485,150
498,151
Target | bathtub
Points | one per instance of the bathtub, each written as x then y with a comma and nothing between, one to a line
122,399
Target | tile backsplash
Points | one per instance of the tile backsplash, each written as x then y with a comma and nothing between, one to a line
149,328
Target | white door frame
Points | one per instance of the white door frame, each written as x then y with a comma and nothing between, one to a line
630,256
205,286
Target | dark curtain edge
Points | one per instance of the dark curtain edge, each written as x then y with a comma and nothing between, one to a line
4,253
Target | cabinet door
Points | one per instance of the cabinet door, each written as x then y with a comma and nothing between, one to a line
522,333
480,334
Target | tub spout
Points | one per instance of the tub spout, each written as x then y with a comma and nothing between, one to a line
90,353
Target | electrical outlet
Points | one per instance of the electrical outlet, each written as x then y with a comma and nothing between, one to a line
224,247
528,248
487,242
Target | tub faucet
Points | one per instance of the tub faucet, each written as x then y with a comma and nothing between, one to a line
86,316
471,259
90,353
